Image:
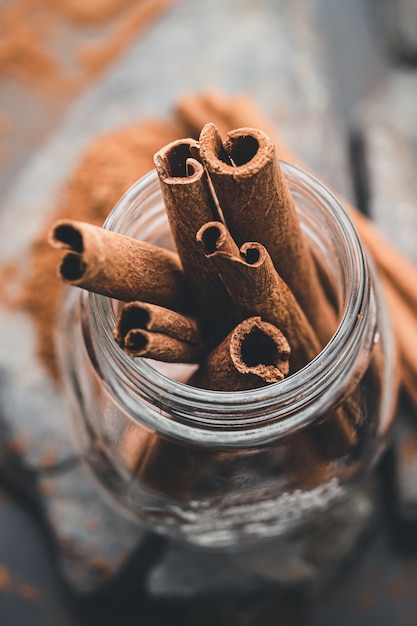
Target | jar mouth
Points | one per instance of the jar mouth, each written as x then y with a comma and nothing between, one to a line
184,411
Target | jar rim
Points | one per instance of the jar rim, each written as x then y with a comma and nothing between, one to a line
255,415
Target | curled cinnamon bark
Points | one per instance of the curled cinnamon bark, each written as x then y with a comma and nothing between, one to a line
118,266
254,198
404,323
254,354
161,347
195,111
190,204
401,273
257,289
214,237
163,466
148,330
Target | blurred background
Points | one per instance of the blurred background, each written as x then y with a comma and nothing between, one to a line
338,80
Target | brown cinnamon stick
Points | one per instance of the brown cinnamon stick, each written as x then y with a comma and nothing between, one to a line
254,198
401,274
241,110
254,354
214,237
404,323
257,289
148,330
119,267
397,268
190,204
161,347
163,466
194,112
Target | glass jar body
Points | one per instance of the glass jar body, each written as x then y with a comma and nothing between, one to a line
222,469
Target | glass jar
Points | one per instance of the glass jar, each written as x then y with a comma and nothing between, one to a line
221,469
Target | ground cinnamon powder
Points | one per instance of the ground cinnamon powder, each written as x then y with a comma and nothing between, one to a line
29,29
96,57
50,51
11,584
111,164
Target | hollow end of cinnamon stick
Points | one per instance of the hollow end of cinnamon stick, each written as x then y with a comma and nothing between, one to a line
137,315
135,342
254,354
242,146
253,253
256,288
68,235
214,237
160,347
260,349
131,317
65,235
72,268
178,160
210,236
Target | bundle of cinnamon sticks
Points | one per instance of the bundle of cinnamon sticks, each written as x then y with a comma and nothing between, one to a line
398,273
241,296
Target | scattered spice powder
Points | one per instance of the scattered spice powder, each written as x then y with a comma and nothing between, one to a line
398,590
17,445
49,458
50,51
5,124
27,592
91,12
11,584
5,127
92,524
46,486
27,29
5,579
367,600
111,164
96,57
22,44
103,566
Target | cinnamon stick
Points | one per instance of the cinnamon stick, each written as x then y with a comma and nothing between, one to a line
404,323
148,330
161,347
257,289
241,110
254,354
162,466
190,204
400,272
193,111
397,268
254,198
118,266
214,237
